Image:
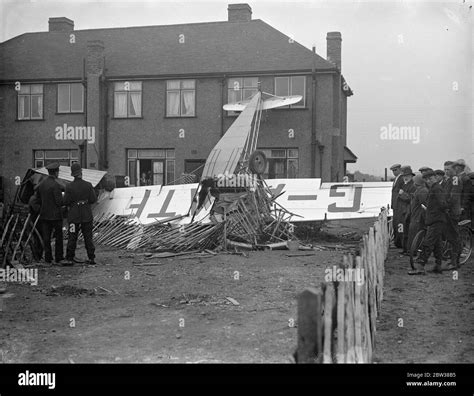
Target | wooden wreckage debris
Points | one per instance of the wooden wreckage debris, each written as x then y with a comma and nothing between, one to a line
246,219
20,238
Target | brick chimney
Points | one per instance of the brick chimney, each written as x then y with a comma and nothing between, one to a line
95,57
333,40
239,12
95,63
61,24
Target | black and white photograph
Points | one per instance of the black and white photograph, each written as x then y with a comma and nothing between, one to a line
215,184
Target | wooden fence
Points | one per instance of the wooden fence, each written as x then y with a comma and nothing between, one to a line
336,321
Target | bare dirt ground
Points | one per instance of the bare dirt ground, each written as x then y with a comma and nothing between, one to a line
178,311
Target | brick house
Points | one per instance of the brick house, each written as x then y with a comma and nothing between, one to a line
152,98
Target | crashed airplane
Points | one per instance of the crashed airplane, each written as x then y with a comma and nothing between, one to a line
308,199
232,205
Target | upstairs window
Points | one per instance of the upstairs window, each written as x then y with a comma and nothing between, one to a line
240,89
70,98
180,98
128,99
291,85
30,102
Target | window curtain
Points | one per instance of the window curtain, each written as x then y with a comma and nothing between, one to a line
135,104
173,103
22,107
36,107
120,104
188,103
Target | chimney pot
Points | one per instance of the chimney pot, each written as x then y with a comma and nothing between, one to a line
241,12
61,24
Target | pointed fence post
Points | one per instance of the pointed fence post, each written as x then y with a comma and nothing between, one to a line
310,327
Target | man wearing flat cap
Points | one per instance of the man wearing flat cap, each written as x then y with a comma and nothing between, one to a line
467,193
396,186
440,177
424,169
453,190
435,218
79,196
50,199
405,195
417,211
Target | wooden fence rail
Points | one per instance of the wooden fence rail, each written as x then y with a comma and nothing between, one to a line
336,321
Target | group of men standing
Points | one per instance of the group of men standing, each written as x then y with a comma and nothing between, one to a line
48,202
435,199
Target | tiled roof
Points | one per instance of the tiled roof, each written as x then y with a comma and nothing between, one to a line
214,47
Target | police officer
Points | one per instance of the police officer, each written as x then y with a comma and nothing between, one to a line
435,219
405,195
79,197
397,183
49,197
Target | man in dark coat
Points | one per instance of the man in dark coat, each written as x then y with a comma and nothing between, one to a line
79,197
49,197
405,195
435,219
417,213
467,193
440,177
453,192
397,184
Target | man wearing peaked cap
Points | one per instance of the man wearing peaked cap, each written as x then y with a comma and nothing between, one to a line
79,197
397,183
405,195
50,199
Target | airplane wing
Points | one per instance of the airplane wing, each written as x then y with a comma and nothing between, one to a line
268,104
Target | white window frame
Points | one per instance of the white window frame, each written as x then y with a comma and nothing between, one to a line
168,158
302,103
30,96
70,99
128,92
180,91
40,156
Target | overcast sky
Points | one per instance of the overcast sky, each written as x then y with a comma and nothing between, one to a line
410,64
